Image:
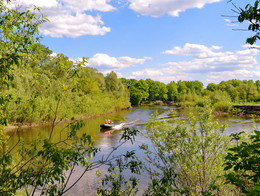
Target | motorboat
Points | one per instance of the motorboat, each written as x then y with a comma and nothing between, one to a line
107,125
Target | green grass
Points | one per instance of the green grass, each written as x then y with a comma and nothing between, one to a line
248,104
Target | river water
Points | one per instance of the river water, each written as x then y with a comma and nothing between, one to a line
138,117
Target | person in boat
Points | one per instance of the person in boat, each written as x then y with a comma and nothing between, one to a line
108,121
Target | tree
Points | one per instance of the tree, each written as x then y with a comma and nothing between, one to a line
251,14
187,158
231,90
18,34
212,87
195,86
44,164
247,91
242,163
153,90
172,91
162,91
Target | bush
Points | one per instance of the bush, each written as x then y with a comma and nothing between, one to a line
222,106
203,102
187,104
158,102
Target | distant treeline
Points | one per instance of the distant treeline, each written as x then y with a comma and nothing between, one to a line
192,93
51,86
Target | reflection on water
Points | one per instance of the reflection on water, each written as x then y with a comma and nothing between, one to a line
106,141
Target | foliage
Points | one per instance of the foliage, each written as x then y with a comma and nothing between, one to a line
222,106
172,91
33,79
188,158
114,183
46,167
138,90
81,91
187,104
191,93
41,165
242,163
250,14
38,86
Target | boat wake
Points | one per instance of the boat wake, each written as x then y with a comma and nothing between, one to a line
126,124
119,126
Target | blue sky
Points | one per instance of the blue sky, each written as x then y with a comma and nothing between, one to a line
165,40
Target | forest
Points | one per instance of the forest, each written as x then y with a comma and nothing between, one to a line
48,80
44,81
193,93
192,158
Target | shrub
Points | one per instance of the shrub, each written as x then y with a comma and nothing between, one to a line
187,104
222,106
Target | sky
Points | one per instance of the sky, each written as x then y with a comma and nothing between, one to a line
164,40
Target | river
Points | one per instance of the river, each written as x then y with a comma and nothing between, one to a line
107,140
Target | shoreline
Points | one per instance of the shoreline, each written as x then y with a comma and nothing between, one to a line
14,125
243,112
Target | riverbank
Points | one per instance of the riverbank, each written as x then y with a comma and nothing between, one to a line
14,126
248,110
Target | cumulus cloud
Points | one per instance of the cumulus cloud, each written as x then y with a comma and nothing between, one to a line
164,75
107,62
119,75
194,50
207,64
242,74
74,26
39,3
158,8
72,18
79,5
207,59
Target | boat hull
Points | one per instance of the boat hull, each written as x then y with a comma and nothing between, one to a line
107,126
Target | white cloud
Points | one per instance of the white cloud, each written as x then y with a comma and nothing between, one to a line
119,75
205,58
157,8
206,65
195,50
39,3
230,23
242,74
148,73
72,18
106,61
164,75
74,26
128,60
79,5
251,46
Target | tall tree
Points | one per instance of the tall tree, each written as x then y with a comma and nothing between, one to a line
172,91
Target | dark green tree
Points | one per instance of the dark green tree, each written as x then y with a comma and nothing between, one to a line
172,91
242,163
251,14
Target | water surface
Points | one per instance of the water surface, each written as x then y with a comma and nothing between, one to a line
107,140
